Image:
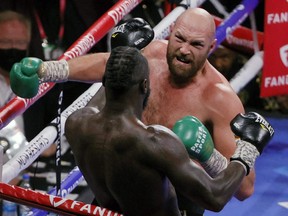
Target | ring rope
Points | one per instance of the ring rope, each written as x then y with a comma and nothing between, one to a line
249,70
228,28
67,186
50,202
255,63
163,28
254,31
236,17
82,45
26,156
242,39
220,8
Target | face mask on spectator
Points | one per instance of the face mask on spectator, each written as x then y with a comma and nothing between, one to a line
10,56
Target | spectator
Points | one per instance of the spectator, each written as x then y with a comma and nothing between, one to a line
78,16
14,42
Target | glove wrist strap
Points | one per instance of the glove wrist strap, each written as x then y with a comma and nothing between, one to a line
53,71
215,164
245,153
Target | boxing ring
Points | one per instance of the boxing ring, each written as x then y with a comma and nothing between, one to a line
271,192
228,31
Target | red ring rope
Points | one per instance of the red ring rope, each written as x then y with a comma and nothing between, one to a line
51,203
97,31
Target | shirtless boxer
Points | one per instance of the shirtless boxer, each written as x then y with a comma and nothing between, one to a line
182,82
131,167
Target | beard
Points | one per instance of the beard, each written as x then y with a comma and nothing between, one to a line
182,75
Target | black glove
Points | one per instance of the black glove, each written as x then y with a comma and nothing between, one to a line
135,32
254,133
253,128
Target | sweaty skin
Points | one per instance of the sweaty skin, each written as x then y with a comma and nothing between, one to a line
132,168
131,161
191,87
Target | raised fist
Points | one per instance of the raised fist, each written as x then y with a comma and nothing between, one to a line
135,32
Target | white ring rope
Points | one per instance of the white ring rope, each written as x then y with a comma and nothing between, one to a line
220,8
254,32
250,69
253,66
26,156
163,28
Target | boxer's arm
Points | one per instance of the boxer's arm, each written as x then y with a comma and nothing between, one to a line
199,144
26,75
88,68
224,138
135,32
246,188
254,133
191,181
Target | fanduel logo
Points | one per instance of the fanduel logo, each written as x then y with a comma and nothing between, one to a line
284,54
56,203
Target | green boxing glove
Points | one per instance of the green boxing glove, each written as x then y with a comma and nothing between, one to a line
195,137
24,79
26,76
199,144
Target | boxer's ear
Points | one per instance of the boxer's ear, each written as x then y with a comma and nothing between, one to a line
144,86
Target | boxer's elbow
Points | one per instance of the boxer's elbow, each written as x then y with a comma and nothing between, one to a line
217,201
217,205
244,193
246,188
